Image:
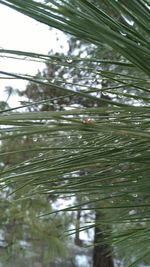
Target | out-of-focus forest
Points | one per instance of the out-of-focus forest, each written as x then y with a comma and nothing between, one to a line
74,156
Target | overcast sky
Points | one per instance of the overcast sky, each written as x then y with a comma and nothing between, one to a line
19,32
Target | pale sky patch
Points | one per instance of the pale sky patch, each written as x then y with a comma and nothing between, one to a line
19,32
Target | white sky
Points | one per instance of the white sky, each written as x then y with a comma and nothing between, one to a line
19,32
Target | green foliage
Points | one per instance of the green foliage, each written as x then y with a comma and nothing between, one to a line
109,145
23,231
34,238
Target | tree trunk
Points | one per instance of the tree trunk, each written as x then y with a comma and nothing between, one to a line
101,252
77,239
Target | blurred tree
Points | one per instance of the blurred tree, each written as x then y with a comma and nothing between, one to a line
26,236
79,75
120,137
